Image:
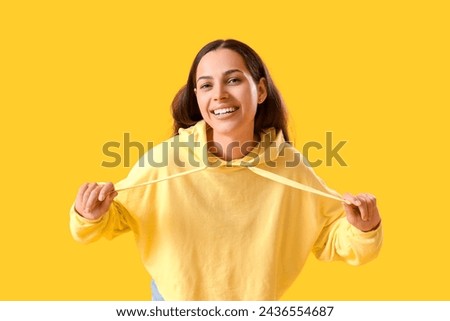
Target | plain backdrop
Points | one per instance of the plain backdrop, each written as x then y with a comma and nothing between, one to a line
75,75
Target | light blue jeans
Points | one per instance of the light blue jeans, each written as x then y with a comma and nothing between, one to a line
156,296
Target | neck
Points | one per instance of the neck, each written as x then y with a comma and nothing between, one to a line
229,147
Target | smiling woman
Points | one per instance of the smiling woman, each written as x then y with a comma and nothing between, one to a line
228,218
227,99
185,106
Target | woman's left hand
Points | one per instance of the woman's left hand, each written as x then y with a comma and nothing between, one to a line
362,212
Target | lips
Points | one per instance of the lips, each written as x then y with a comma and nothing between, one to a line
224,111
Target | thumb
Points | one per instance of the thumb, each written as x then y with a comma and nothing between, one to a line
107,189
110,197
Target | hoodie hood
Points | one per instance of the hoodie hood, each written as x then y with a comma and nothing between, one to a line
191,149
266,150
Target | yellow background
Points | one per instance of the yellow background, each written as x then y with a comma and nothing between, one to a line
77,74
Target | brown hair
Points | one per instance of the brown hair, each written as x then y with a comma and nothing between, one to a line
271,113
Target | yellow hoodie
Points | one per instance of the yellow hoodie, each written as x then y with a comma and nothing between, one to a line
208,229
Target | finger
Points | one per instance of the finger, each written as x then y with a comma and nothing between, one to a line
363,207
371,205
93,199
366,201
353,213
81,191
110,197
113,195
87,192
79,199
106,189
373,199
106,204
352,199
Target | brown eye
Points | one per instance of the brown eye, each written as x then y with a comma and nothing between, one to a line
233,81
205,86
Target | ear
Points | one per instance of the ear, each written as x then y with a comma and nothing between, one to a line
262,90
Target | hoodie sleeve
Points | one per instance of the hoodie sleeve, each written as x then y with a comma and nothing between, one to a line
113,223
120,217
131,205
338,239
342,241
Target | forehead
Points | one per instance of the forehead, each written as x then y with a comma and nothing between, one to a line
219,61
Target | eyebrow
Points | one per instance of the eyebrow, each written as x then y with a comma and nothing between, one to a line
225,73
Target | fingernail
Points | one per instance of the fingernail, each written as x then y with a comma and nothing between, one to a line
358,202
101,198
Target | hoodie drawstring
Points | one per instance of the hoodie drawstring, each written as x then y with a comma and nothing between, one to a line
254,169
291,183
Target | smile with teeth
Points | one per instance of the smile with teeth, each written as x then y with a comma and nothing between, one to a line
223,111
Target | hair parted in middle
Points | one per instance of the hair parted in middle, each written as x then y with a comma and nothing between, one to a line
271,113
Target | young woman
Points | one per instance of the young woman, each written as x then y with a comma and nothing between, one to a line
227,209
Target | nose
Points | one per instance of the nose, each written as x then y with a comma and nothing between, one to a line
220,93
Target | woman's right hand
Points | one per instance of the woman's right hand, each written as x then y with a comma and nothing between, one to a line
93,200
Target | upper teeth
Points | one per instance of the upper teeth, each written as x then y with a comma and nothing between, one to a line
224,110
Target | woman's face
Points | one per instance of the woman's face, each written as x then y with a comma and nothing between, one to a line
227,94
